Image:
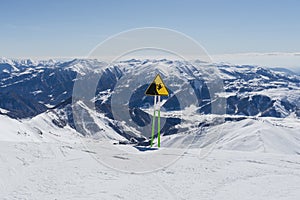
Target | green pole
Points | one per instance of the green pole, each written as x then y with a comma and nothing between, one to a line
158,127
153,128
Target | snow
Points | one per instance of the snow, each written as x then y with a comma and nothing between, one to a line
64,171
37,129
226,94
5,71
280,93
36,92
3,111
82,66
249,159
260,136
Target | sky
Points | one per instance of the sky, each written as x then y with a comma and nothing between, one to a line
227,29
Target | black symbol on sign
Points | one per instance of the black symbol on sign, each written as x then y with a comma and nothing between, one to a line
159,86
152,89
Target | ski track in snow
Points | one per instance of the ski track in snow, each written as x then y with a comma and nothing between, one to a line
66,171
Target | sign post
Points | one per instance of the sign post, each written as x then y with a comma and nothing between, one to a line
157,88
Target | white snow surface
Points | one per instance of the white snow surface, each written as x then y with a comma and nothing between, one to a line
251,159
37,129
64,171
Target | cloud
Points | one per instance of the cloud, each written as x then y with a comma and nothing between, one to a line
289,60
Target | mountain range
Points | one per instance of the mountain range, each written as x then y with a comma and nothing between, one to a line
32,89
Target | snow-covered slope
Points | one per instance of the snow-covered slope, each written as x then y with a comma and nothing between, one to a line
37,129
264,135
63,171
269,135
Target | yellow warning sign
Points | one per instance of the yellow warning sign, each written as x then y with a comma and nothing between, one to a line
157,88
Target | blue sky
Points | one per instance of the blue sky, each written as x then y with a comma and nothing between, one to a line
41,28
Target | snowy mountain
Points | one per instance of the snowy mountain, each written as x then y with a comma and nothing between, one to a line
44,90
31,87
256,91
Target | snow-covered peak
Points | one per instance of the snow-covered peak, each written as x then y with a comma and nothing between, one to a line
83,66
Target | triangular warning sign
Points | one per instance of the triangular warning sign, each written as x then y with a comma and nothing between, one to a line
157,87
